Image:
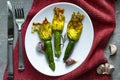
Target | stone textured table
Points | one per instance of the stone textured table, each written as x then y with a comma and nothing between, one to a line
115,39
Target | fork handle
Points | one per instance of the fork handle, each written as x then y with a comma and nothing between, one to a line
21,57
10,72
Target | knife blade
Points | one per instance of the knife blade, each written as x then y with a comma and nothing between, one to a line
10,24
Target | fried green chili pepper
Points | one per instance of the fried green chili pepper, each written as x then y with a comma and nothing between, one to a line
74,29
44,31
57,26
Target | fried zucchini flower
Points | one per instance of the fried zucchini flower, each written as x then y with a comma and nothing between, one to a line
57,26
44,31
74,30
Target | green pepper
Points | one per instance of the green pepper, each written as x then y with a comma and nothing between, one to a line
57,26
74,29
44,31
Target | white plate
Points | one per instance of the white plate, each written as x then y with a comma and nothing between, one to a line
80,52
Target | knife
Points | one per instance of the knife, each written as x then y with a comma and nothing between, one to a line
10,73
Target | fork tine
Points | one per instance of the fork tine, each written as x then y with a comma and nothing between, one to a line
16,16
22,13
17,13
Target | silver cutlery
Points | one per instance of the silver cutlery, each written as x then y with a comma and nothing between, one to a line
10,72
19,19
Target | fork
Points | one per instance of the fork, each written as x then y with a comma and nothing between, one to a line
19,19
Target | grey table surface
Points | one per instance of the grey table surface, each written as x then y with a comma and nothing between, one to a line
115,38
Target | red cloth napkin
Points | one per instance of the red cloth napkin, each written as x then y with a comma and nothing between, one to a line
102,14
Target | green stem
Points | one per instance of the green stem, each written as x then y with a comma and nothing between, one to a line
49,54
57,42
69,50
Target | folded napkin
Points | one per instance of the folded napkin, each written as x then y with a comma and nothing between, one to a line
102,14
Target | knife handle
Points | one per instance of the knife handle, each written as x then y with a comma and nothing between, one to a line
21,57
10,73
